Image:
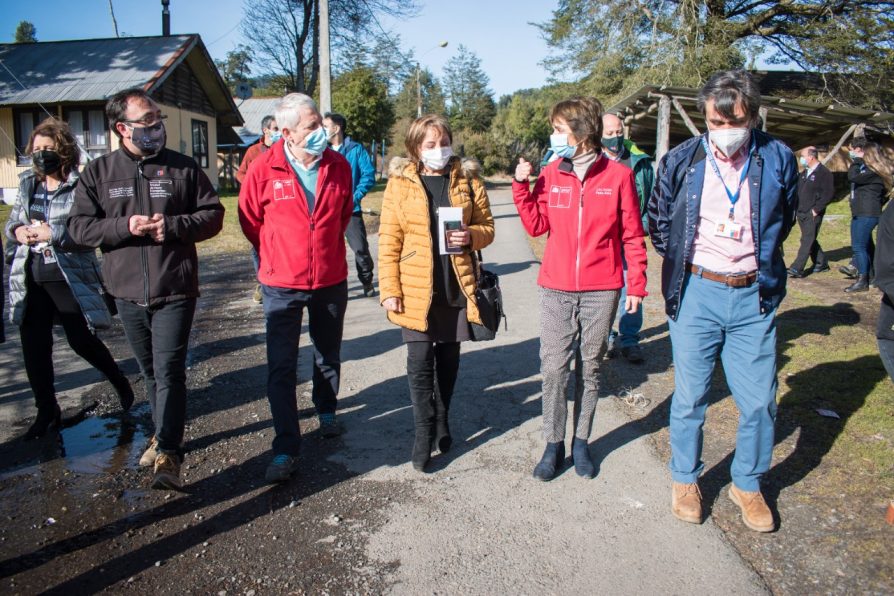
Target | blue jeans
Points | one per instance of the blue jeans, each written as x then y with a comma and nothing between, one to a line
159,338
717,319
861,240
629,324
284,308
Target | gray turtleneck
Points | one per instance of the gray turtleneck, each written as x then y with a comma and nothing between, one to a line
583,162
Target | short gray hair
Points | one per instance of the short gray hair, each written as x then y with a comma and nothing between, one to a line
288,109
729,88
265,123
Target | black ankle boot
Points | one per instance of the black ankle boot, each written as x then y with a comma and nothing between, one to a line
421,378
124,391
580,453
861,285
47,418
551,461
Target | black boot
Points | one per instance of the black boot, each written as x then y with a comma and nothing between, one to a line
861,285
446,367
551,461
48,417
421,378
123,389
580,453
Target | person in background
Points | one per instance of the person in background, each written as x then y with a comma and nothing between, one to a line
624,151
429,294
52,277
269,135
363,175
146,207
816,188
294,208
870,179
588,206
723,278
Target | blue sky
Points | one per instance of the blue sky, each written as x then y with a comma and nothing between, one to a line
496,30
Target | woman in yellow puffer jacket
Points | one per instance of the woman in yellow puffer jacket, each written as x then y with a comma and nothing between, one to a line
430,295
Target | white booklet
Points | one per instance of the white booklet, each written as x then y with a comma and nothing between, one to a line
449,218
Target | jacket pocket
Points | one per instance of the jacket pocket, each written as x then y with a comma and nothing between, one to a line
407,256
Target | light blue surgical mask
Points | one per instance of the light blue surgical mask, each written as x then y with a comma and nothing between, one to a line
316,141
559,144
803,161
275,136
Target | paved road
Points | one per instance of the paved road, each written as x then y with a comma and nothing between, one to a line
477,524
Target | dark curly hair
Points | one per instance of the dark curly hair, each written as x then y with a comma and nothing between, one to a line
66,144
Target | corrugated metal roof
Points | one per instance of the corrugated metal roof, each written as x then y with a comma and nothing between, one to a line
253,111
82,70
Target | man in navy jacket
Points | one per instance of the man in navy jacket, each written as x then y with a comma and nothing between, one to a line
723,204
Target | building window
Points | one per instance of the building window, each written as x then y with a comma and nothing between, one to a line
200,142
24,123
91,131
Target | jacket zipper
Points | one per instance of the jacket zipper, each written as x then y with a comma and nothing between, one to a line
580,217
144,259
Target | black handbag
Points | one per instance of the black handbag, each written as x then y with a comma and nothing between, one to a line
489,298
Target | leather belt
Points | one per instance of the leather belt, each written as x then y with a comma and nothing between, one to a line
739,280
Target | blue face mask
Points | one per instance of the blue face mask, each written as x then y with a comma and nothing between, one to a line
275,136
316,141
803,161
559,144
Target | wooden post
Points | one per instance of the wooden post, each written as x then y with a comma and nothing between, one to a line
662,141
686,119
763,114
841,141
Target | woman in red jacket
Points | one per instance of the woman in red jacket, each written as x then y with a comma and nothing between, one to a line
589,207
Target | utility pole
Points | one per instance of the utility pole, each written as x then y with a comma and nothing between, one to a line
325,70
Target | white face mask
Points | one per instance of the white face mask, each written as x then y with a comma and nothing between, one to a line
437,158
729,140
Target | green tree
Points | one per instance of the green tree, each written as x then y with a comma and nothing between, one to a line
618,46
236,67
405,102
26,32
362,98
383,57
285,34
470,103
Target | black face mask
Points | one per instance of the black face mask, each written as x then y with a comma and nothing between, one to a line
614,144
46,161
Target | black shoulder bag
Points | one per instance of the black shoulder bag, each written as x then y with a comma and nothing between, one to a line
489,299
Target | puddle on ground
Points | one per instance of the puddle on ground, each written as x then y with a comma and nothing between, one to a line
103,444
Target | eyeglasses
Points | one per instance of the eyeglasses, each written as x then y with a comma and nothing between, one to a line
148,121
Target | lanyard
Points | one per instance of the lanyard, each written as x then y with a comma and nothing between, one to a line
733,197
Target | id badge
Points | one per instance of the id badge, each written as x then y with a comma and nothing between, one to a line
729,229
49,257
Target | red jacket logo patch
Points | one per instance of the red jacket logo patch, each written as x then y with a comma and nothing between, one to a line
284,190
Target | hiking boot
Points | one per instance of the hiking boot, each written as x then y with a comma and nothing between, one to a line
257,296
552,460
166,472
369,291
686,502
755,512
633,354
330,427
148,457
281,468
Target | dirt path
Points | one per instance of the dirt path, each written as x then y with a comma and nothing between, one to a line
357,518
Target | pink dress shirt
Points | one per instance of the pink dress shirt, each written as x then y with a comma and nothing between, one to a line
716,253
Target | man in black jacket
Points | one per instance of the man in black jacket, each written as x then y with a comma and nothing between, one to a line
815,191
145,207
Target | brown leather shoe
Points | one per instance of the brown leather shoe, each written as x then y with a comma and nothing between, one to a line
686,502
755,512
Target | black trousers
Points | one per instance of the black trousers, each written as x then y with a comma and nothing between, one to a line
284,309
810,246
356,236
159,338
44,302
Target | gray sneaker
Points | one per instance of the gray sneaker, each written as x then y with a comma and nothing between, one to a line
281,468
